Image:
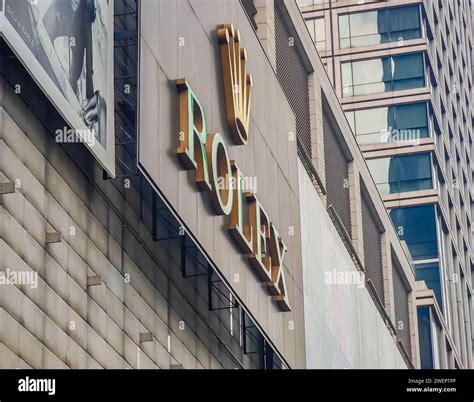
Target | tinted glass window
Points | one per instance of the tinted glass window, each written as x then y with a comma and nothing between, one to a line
404,23
431,275
385,74
401,173
408,72
413,172
424,335
317,31
320,34
417,226
379,26
390,124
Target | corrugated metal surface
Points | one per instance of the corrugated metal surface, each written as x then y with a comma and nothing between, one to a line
402,317
293,78
337,175
372,249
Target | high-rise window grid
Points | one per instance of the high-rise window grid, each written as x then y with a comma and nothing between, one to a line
385,74
404,122
448,29
379,26
399,174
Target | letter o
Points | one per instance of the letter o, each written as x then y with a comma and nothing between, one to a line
219,172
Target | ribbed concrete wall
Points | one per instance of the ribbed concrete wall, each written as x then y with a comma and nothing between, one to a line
63,322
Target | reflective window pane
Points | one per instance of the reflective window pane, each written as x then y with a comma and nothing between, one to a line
365,23
383,75
404,23
408,72
320,34
411,115
414,172
344,27
390,124
431,275
310,25
424,335
346,74
402,173
379,26
417,226
380,170
372,121
316,28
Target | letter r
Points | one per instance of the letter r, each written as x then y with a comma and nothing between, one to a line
192,127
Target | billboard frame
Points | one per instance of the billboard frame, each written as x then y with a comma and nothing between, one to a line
104,155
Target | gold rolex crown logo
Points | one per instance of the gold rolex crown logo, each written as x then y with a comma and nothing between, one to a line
237,83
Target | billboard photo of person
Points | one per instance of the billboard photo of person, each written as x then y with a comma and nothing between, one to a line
70,40
73,20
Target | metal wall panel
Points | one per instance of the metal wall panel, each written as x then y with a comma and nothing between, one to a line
372,249
337,175
402,317
293,78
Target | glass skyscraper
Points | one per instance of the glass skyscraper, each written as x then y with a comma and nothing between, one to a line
403,73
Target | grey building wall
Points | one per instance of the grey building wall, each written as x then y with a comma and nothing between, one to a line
342,325
270,155
63,322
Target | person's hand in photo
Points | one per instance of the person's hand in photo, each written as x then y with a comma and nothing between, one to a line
90,112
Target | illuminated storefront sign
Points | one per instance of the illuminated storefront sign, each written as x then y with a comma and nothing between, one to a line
221,178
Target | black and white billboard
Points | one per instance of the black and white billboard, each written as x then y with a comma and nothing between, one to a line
67,46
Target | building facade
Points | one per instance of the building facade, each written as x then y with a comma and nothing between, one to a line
403,73
239,226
